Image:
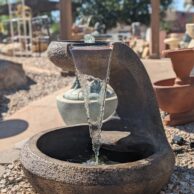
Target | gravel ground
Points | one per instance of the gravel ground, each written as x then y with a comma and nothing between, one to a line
43,78
182,180
39,85
13,180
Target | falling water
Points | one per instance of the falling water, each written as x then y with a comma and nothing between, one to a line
97,101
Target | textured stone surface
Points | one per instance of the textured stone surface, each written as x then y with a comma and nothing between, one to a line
12,75
138,113
59,55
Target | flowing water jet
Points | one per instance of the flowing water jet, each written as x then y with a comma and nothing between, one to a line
80,54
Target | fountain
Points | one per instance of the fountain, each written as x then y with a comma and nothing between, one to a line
137,158
71,102
175,96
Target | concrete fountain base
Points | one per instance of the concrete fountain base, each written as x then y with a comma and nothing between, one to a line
52,162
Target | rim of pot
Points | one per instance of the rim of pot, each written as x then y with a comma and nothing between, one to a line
32,143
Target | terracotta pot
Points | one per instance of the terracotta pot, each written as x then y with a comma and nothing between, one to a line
182,63
73,111
177,100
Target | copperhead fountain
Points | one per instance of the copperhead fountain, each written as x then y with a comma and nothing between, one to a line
137,158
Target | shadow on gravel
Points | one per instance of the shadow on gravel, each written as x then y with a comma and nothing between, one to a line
11,128
3,105
189,128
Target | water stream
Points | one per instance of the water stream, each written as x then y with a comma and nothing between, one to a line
94,105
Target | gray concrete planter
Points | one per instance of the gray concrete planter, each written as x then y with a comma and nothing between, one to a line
73,111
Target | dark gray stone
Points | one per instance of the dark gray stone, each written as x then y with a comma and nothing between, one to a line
12,75
178,140
145,161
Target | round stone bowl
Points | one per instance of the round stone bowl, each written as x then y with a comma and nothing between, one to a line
73,111
53,162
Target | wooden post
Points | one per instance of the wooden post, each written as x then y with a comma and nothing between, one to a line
155,29
65,19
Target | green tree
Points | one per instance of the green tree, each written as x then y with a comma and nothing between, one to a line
109,12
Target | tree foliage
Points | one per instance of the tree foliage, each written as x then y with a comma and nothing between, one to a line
109,12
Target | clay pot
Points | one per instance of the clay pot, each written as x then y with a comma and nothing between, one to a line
182,63
175,96
176,100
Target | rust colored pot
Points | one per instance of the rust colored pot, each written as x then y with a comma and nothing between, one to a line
177,100
182,63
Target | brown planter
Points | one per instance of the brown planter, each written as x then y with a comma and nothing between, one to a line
176,96
182,63
176,100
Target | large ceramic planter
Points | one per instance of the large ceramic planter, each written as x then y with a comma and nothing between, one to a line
175,96
176,100
52,164
74,112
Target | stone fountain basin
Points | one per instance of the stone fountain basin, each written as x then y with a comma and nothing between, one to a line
67,108
174,98
51,161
